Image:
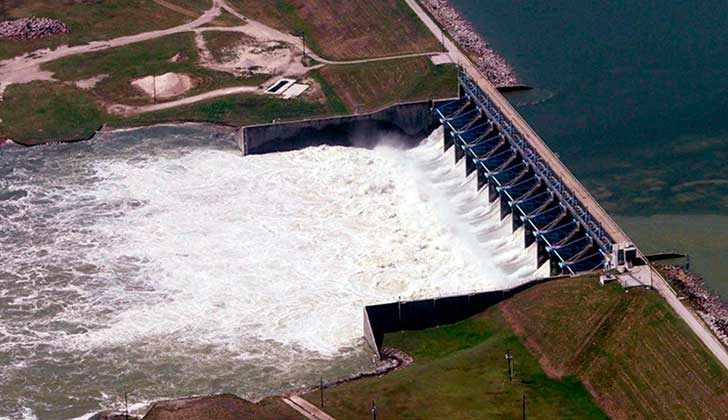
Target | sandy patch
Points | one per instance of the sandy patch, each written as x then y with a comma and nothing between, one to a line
255,53
167,85
91,82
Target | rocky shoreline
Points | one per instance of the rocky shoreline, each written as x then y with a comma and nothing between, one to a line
31,28
488,61
707,304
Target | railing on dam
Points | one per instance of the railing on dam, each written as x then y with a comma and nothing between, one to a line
516,173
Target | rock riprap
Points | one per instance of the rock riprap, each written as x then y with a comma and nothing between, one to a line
489,62
31,28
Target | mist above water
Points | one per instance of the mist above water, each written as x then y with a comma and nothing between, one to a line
162,263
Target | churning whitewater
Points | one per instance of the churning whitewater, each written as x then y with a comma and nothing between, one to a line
162,263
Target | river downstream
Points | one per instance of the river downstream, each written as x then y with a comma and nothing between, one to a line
162,263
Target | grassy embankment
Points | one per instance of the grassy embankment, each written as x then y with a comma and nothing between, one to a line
91,21
346,30
66,112
630,351
460,373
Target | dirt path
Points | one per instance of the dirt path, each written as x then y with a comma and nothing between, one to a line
26,68
126,110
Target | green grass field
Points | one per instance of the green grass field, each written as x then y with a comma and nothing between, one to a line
579,348
42,111
460,373
638,359
346,30
373,85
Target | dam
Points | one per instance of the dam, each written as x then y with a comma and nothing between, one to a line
502,161
545,204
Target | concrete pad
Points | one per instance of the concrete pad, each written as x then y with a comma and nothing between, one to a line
294,90
636,277
443,58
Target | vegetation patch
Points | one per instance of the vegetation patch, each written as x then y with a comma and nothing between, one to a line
38,112
638,359
93,20
372,85
460,373
346,30
234,110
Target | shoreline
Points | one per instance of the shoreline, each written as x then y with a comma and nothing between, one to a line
490,63
392,361
705,302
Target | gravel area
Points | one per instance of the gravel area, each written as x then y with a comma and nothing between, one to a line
31,28
706,303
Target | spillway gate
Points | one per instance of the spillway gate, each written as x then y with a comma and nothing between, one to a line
566,234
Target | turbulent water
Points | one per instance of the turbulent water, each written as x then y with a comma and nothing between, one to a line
162,263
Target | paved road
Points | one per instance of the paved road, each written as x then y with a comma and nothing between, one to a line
614,230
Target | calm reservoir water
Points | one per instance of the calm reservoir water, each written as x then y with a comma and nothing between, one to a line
633,97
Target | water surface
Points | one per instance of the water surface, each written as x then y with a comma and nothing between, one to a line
632,95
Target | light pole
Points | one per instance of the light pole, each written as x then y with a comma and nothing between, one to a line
509,359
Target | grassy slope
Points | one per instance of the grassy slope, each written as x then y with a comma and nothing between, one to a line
94,21
43,111
142,59
637,358
459,373
376,84
346,30
233,110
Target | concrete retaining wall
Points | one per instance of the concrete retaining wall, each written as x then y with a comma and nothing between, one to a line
409,122
426,313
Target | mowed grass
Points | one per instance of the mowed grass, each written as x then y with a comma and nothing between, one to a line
94,20
637,358
125,64
234,110
42,111
376,84
347,29
460,373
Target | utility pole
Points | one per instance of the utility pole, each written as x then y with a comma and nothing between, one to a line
524,407
374,410
126,406
321,387
154,84
509,359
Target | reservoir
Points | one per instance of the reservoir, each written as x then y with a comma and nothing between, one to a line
632,96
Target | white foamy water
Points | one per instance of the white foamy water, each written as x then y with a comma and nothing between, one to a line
173,271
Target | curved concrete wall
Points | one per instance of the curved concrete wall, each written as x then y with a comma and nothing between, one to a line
411,121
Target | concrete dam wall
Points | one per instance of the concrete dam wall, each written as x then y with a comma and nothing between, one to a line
427,313
410,121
